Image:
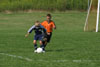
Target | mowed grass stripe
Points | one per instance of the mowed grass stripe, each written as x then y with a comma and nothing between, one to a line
69,41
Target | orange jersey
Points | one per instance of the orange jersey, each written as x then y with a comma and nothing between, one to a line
48,26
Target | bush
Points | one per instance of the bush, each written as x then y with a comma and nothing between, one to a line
52,5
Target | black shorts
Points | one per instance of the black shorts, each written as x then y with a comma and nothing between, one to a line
49,37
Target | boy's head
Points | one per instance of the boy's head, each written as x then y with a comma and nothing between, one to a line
37,23
49,16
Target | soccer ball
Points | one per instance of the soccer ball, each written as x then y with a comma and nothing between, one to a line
39,50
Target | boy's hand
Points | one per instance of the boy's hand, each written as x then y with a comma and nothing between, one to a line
54,27
27,35
45,39
48,33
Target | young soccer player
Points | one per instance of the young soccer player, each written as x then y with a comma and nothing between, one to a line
40,31
49,26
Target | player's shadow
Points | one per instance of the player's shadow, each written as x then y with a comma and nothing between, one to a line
58,50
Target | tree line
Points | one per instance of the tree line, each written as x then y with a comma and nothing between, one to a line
49,5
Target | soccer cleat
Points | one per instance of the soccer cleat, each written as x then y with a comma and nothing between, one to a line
35,51
43,51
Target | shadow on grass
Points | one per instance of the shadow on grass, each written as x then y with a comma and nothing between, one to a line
58,50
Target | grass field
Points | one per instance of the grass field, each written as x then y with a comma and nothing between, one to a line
69,47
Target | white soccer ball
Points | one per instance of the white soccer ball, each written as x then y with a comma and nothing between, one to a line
39,50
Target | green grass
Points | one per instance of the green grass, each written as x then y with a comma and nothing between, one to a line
69,47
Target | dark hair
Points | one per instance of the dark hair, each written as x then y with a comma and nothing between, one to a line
49,15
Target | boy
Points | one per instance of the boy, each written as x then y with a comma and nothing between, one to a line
49,25
40,31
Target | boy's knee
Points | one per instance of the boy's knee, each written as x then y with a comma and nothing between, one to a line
40,42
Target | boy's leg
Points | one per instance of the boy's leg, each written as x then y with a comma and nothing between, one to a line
35,41
49,37
45,43
42,45
35,44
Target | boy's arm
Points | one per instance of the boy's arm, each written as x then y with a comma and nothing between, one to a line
30,30
54,25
